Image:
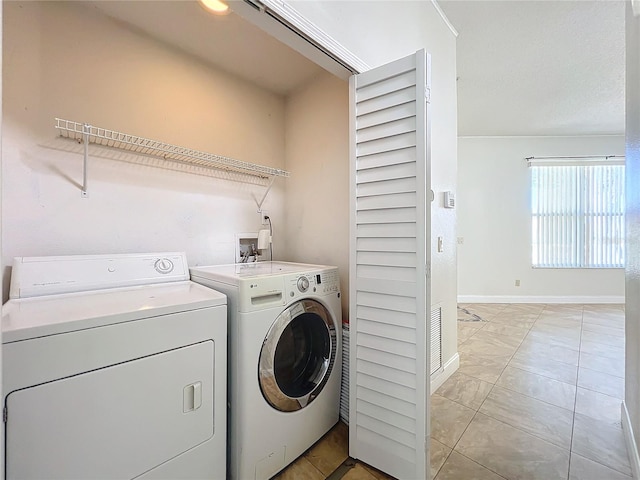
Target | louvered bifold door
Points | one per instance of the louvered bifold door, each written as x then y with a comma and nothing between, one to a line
389,288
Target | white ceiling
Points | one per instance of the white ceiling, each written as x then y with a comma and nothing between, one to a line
227,42
525,67
539,67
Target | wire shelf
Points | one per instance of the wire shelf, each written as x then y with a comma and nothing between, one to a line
145,146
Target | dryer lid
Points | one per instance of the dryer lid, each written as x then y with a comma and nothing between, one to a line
27,318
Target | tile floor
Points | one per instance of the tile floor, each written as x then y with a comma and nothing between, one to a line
324,458
537,397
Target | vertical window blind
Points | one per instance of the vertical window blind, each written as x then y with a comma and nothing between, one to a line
577,216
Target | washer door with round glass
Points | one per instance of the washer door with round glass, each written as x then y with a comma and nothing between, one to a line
297,356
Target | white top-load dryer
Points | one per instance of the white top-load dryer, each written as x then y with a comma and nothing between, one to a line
284,360
114,366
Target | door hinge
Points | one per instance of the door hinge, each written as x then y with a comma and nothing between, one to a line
427,94
4,414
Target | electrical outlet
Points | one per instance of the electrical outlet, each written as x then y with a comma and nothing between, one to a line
263,214
517,283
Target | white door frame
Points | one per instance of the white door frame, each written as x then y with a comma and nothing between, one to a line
286,24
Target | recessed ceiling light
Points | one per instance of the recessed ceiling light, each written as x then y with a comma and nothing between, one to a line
217,7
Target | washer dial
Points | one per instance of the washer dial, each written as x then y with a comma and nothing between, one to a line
303,284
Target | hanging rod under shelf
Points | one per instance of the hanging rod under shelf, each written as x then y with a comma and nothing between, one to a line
135,144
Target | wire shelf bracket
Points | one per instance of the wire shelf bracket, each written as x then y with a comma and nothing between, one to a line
86,134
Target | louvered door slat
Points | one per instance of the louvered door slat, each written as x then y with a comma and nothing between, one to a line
389,362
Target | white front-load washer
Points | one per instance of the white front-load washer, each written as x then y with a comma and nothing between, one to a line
284,360
114,366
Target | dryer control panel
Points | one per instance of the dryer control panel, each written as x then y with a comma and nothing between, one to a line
37,276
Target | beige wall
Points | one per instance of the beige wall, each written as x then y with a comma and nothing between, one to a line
63,59
494,222
317,194
632,370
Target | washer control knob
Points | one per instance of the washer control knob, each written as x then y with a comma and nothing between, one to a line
303,284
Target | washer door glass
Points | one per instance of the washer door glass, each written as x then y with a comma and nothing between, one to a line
297,355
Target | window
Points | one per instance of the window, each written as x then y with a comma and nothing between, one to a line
577,214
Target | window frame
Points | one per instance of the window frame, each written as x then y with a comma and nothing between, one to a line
579,208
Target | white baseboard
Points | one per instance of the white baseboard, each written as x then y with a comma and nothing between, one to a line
540,299
449,368
629,437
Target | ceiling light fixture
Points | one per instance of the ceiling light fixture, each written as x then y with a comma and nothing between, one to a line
217,7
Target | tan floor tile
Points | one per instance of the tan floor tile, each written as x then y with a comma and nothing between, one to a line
508,330
517,320
599,406
604,315
359,472
301,469
331,450
570,323
468,391
512,453
605,320
482,366
603,307
438,453
480,347
601,349
601,382
611,366
600,442
559,327
537,386
459,467
599,329
613,340
535,348
498,340
491,308
467,315
563,307
466,331
524,308
376,473
546,367
584,469
545,421
555,336
490,344
448,420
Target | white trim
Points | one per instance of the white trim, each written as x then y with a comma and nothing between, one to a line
635,5
629,437
541,299
441,376
542,136
444,17
288,26
316,35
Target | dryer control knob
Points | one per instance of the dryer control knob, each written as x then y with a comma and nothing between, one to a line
303,284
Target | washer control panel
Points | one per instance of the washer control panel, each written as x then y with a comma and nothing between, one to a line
320,282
